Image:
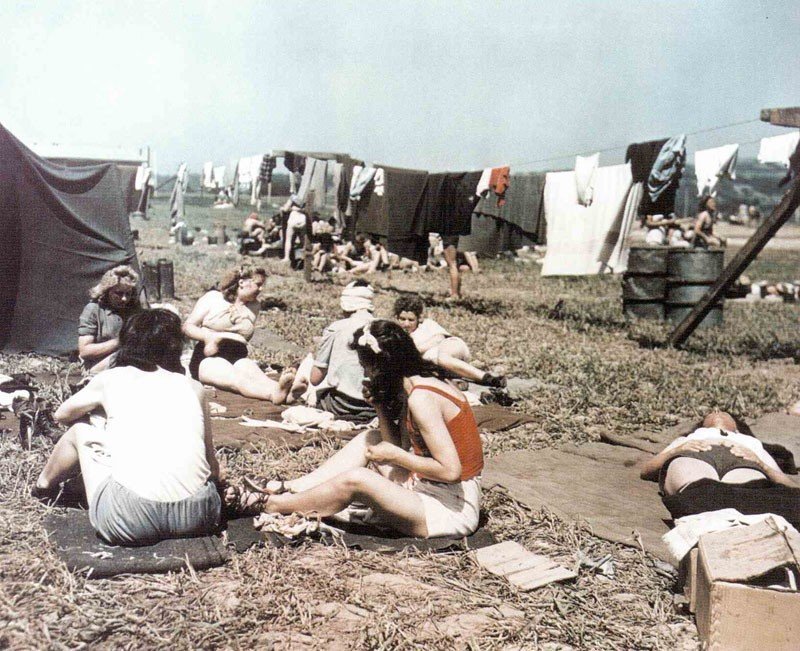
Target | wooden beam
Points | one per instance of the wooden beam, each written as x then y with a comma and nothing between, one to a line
779,216
782,117
308,246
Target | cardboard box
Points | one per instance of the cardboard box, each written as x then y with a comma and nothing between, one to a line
735,608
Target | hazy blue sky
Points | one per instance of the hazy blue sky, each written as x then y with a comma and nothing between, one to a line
436,85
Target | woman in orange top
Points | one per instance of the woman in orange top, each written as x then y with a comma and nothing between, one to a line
418,473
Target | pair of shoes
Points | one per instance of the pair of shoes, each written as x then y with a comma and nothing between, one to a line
496,381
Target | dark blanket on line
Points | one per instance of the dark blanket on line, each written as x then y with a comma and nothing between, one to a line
61,228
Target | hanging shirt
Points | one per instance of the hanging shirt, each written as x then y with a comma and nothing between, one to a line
483,183
777,149
710,165
361,178
667,169
585,167
641,156
499,181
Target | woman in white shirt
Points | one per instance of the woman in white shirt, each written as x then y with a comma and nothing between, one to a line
149,472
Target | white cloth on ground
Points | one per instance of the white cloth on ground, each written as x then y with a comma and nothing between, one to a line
710,165
777,149
576,234
690,528
585,168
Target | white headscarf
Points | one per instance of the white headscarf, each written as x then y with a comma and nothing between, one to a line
355,297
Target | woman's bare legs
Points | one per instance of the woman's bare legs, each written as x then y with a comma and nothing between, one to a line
80,448
358,484
685,470
450,254
454,356
246,378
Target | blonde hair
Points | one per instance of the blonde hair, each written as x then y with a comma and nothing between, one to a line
229,284
123,275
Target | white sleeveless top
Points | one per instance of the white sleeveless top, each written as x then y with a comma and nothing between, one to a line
155,433
236,321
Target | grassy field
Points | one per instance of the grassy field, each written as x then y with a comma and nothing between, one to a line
596,373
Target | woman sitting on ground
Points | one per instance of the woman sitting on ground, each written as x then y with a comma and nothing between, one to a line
114,299
428,489
438,346
149,472
222,322
721,464
703,233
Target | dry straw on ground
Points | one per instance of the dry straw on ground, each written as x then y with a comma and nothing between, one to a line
596,375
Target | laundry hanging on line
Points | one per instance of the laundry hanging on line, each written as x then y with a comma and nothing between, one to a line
711,165
778,149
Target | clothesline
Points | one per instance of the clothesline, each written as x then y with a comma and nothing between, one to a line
619,147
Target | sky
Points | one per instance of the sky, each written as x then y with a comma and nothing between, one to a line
433,84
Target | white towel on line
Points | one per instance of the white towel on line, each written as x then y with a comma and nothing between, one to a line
576,234
710,165
777,149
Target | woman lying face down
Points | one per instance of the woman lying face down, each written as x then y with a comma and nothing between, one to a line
418,473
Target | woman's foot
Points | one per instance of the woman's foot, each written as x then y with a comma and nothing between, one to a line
299,387
285,382
271,487
496,381
240,501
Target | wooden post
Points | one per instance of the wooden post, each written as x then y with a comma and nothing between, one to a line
782,117
308,256
779,216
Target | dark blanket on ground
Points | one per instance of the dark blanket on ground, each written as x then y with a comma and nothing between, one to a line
372,539
596,483
61,228
751,498
494,418
77,544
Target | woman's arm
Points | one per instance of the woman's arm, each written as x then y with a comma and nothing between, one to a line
83,402
193,329
208,439
89,350
443,465
652,466
772,471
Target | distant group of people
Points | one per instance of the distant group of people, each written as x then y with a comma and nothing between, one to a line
670,231
333,253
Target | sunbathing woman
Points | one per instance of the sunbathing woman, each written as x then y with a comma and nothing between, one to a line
438,346
222,322
431,490
114,299
722,465
149,473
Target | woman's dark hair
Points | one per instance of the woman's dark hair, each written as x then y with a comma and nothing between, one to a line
409,303
149,339
702,204
397,358
741,425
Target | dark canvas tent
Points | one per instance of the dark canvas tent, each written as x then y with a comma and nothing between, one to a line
60,230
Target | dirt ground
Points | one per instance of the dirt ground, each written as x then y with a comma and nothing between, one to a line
597,372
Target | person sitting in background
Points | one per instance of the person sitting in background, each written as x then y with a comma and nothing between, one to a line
149,473
336,369
703,233
419,473
222,322
114,299
721,464
663,231
438,346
